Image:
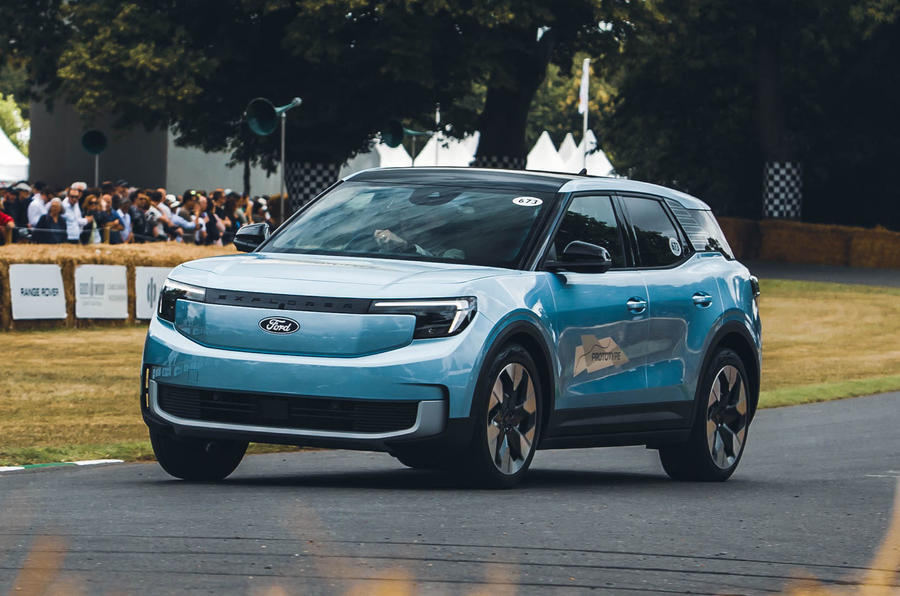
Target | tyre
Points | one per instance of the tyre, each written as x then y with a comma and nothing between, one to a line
721,422
507,419
196,459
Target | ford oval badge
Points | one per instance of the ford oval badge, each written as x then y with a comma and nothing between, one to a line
279,325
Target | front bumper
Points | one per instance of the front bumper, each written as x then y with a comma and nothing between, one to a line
438,374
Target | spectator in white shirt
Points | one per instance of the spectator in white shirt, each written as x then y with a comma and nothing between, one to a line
38,205
72,212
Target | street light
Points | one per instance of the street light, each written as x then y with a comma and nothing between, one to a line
262,117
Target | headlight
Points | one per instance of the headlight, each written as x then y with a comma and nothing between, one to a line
434,318
172,291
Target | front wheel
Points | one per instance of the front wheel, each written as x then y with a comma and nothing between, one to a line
507,414
719,433
196,459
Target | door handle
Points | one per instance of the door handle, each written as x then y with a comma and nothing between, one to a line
636,305
701,299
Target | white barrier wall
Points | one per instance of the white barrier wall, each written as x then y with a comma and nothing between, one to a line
36,292
148,281
101,292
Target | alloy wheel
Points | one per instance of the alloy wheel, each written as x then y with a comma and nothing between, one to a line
726,417
511,419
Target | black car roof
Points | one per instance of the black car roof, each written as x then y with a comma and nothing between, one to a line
484,177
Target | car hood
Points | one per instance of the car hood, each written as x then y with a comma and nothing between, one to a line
318,275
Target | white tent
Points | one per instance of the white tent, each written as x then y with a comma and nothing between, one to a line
597,164
568,147
543,156
13,165
359,162
392,157
450,151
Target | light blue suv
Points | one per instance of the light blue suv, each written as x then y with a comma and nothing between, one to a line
462,319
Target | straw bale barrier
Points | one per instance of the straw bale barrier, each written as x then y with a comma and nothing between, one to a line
769,240
797,242
68,257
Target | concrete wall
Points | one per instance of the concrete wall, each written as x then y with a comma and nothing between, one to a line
191,168
58,158
144,159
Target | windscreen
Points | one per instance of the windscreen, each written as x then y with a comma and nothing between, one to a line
475,226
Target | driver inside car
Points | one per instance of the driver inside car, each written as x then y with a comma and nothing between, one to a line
388,241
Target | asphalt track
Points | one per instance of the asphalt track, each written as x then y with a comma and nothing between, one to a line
813,497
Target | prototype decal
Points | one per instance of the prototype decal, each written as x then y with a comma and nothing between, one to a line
527,201
675,246
596,354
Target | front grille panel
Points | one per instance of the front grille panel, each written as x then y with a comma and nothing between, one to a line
298,412
356,306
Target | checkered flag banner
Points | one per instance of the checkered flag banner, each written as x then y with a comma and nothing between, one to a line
304,180
503,162
783,190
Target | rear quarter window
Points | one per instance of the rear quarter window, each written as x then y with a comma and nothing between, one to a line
702,229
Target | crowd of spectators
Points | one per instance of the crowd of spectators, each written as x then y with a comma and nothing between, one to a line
117,213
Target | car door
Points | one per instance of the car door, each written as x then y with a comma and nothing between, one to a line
684,301
600,320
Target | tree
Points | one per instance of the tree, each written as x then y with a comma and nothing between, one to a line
12,123
194,65
555,104
356,63
711,90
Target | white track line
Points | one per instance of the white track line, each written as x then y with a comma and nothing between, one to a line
94,462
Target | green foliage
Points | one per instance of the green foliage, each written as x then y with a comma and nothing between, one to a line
14,81
555,105
194,65
11,122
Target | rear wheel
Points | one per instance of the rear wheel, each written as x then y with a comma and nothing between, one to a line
719,434
196,459
507,414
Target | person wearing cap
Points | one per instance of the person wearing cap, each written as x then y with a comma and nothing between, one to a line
38,205
17,205
75,222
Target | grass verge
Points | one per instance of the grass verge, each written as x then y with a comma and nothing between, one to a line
71,394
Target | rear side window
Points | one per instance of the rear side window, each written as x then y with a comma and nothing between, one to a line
657,239
702,229
713,239
590,219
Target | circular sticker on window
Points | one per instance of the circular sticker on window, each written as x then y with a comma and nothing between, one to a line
528,201
675,246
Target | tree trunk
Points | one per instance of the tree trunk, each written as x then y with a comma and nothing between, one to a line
770,116
782,172
247,177
511,89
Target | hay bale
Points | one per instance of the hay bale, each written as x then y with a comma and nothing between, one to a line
795,242
68,257
875,248
743,236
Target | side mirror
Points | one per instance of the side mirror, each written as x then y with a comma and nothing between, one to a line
582,257
250,236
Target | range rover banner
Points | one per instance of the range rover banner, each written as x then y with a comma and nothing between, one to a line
36,292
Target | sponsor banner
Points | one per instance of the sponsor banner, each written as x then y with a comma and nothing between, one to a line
37,292
148,282
101,292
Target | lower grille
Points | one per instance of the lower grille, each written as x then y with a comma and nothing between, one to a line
299,412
